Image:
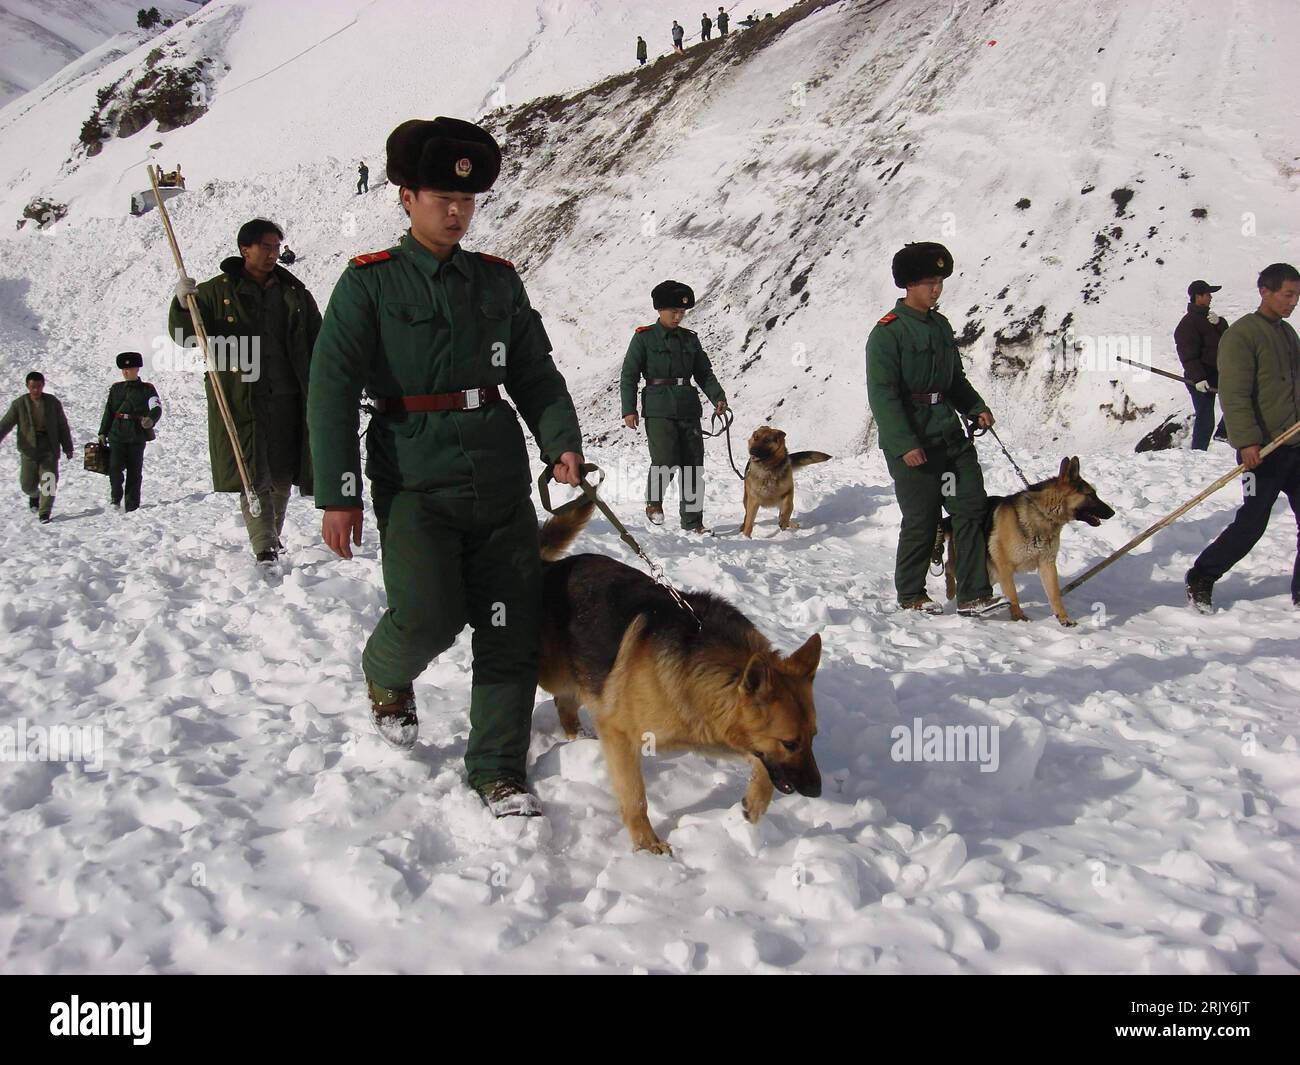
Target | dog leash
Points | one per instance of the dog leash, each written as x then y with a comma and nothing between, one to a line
973,430
1013,462
727,418
590,494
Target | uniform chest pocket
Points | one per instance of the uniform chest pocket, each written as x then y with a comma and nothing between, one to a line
667,362
409,314
494,322
409,331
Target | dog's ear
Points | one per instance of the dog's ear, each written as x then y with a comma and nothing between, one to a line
781,433
1064,471
804,662
755,678
1074,468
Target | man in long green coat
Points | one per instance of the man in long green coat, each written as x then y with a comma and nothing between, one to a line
262,324
669,358
132,410
915,387
435,334
42,432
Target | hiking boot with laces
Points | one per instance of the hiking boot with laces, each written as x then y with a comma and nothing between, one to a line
923,603
392,712
509,798
655,514
981,607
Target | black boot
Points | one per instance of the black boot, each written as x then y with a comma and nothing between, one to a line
1200,589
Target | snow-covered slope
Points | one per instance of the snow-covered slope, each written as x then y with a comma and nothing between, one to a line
1060,151
307,81
40,37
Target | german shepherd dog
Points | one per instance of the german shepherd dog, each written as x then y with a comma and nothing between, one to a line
616,642
1024,533
769,475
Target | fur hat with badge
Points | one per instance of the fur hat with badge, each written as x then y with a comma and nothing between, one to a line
130,358
445,154
672,294
916,262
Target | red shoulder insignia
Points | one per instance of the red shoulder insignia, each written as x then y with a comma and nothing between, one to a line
890,317
643,328
371,257
496,259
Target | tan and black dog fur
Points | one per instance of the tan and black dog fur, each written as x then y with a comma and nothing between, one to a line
769,476
1024,533
616,642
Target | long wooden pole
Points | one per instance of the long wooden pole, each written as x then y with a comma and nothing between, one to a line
1169,519
1162,373
196,317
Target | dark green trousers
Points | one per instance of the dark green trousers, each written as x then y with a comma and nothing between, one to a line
677,447
443,567
126,461
279,448
949,479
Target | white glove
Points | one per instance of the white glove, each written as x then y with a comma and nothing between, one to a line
146,423
186,286
1213,318
1202,386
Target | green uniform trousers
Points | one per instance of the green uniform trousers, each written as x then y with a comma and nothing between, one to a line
126,462
39,477
677,446
949,478
445,566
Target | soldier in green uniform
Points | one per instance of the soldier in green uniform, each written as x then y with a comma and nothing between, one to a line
434,334
669,356
42,432
262,322
132,410
915,386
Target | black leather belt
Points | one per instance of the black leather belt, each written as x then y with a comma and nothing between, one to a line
930,398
